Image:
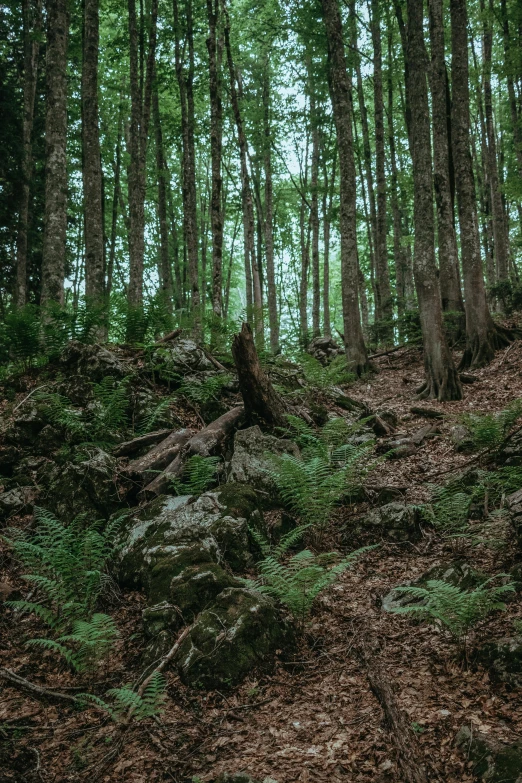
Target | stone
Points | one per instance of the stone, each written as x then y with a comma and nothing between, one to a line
457,573
19,500
514,505
510,452
493,761
250,464
503,659
324,349
197,586
400,448
94,362
79,487
393,521
461,438
180,357
239,632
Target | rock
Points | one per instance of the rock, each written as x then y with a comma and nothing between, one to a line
239,632
457,573
93,361
398,448
250,465
324,349
493,761
514,505
9,457
425,433
49,440
16,501
87,486
516,574
511,451
180,357
393,521
461,438
389,416
503,658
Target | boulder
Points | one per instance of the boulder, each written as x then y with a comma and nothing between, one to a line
393,521
457,573
510,452
94,362
324,349
16,501
88,486
238,632
503,658
180,357
493,761
250,465
461,438
398,448
514,505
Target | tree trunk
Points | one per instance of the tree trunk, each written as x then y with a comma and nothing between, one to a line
185,78
32,21
482,337
339,86
116,166
384,303
513,108
215,56
165,269
314,206
500,235
328,192
55,217
273,318
141,91
448,256
442,381
263,405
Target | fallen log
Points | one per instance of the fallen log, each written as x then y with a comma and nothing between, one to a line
160,456
428,413
206,442
263,405
134,445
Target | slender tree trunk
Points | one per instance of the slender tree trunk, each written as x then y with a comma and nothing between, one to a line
91,165
500,234
448,256
32,20
482,337
314,208
215,56
273,317
304,243
339,86
165,269
185,78
384,303
442,381
116,165
513,108
327,208
55,217
141,91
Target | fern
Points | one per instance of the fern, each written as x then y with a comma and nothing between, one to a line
335,373
298,582
449,509
89,642
457,610
127,703
198,474
111,401
156,415
201,392
490,430
61,413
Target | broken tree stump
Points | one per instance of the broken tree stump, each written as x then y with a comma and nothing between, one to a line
206,442
263,405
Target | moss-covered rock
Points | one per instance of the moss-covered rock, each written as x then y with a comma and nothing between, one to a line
239,632
231,534
197,586
19,500
494,761
503,658
393,521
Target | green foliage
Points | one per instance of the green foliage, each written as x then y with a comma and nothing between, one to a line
89,642
127,703
111,401
326,471
20,336
489,430
336,373
457,610
449,509
297,582
154,416
198,474
200,392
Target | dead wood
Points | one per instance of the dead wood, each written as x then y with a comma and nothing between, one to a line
213,360
160,456
263,405
134,445
409,755
466,377
428,413
38,691
206,442
162,340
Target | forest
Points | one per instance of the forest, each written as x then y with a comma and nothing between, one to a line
260,391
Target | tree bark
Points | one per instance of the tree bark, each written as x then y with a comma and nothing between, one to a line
141,91
442,381
482,336
215,56
185,78
91,167
340,87
273,318
165,269
263,405
329,185
384,303
500,234
55,217
32,21
314,206
448,257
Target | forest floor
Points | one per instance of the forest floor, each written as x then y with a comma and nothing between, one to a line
314,717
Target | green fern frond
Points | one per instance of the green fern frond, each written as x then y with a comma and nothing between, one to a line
198,474
489,430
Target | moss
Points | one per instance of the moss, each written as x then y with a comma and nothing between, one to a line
239,500
197,586
170,566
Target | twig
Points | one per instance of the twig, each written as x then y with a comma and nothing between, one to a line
501,362
37,690
30,395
